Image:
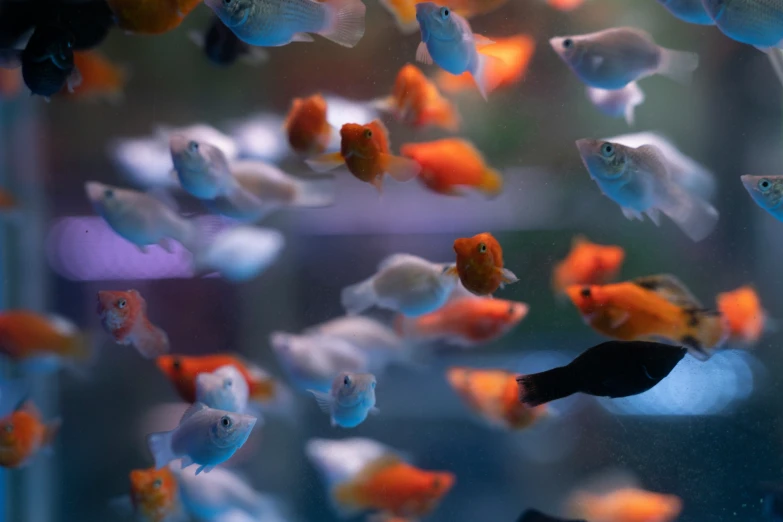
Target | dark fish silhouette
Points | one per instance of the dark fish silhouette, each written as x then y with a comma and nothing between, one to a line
533,515
222,47
611,369
47,61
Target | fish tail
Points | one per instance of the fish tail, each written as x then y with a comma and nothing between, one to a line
359,297
678,65
705,330
79,347
315,193
325,162
399,168
695,216
775,56
346,22
637,98
385,104
484,75
152,342
159,445
491,182
345,499
540,388
404,13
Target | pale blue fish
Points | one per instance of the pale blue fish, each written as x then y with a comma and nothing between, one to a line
205,437
691,11
272,23
620,103
240,253
381,344
224,389
613,58
350,400
753,22
767,192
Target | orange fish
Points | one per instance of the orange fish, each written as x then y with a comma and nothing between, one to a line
41,342
182,371
480,264
23,435
626,505
385,517
124,316
404,11
464,321
587,264
650,308
7,200
365,151
514,53
565,5
306,125
394,487
449,165
151,16
494,394
10,83
154,496
744,315
100,77
415,101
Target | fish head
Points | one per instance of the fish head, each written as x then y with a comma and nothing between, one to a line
715,8
438,22
571,49
477,251
152,488
104,198
233,13
224,388
604,160
12,436
349,389
230,430
116,309
364,141
586,298
766,191
188,153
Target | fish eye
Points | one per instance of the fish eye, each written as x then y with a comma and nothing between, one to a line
764,185
225,421
585,292
122,303
568,43
607,149
511,309
193,146
444,12
108,193
367,133
482,248
157,483
227,383
347,380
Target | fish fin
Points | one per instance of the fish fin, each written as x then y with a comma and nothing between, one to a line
375,410
678,65
631,214
482,41
255,56
74,80
695,216
346,22
314,193
197,38
324,400
636,98
359,297
482,73
159,445
670,288
540,388
204,468
326,162
491,182
508,277
122,505
385,104
775,56
399,168
302,37
618,319
655,216
404,13
704,331
345,499
451,270
192,410
152,343
12,394
50,434
423,54
10,58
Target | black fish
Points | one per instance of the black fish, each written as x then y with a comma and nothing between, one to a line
223,47
533,515
16,19
87,21
611,369
47,61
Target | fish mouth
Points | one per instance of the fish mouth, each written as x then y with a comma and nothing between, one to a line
94,191
557,44
585,146
178,143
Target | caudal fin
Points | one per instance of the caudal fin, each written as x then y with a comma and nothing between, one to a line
491,182
484,75
404,13
693,215
540,388
159,445
359,297
346,22
705,331
678,65
152,343
314,193
775,56
401,169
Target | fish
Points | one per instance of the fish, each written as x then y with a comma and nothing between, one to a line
306,125
7,201
10,85
448,41
404,11
100,78
205,437
223,389
611,369
240,253
223,48
651,307
403,283
534,515
640,181
124,316
154,497
272,24
480,264
88,21
753,22
364,149
565,5
47,61
620,103
451,165
416,101
587,264
151,16
691,11
767,192
385,517
465,321
513,53
23,435
41,343
350,400
613,58
140,218
494,395
626,505
745,317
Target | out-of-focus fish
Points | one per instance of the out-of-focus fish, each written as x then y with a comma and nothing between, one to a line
222,47
140,218
449,166
7,201
611,369
364,149
100,78
404,11
652,307
534,515
767,192
272,24
350,400
154,497
23,435
10,84
308,130
465,321
205,437
494,395
151,16
403,283
587,264
640,181
691,11
259,138
124,316
480,264
39,342
339,461
224,389
744,315
626,505
240,253
47,60
620,103
613,58
754,22
367,334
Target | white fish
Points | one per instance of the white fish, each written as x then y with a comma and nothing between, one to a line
339,461
372,337
403,283
620,103
240,253
259,138
224,389
350,400
205,436
140,218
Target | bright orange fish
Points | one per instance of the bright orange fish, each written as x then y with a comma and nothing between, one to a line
41,342
306,125
480,264
365,151
124,316
394,487
404,11
514,53
626,505
23,435
10,83
449,165
649,308
151,16
494,394
182,371
744,315
416,101
565,5
587,264
154,496
464,321
100,77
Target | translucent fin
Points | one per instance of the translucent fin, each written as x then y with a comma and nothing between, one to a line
346,25
324,400
404,13
50,434
159,445
508,276
326,162
152,343
399,168
359,297
678,65
695,217
423,54
194,409
315,193
302,37
776,59
485,81
10,58
636,98
482,41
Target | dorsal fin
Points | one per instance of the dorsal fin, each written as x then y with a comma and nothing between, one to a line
194,409
670,288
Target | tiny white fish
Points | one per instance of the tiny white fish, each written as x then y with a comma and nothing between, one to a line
240,253
620,103
224,389
350,400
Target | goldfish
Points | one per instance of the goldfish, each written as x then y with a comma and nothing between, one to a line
240,253
640,181
565,5
534,515
350,400
124,316
306,126
100,78
154,497
272,24
650,307
223,48
364,149
41,342
224,389
23,435
449,166
627,505
416,101
587,264
753,22
611,369
620,103
494,395
613,58
404,11
691,11
205,437
448,41
767,192
403,283
744,315
514,54
465,321
151,16
480,264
